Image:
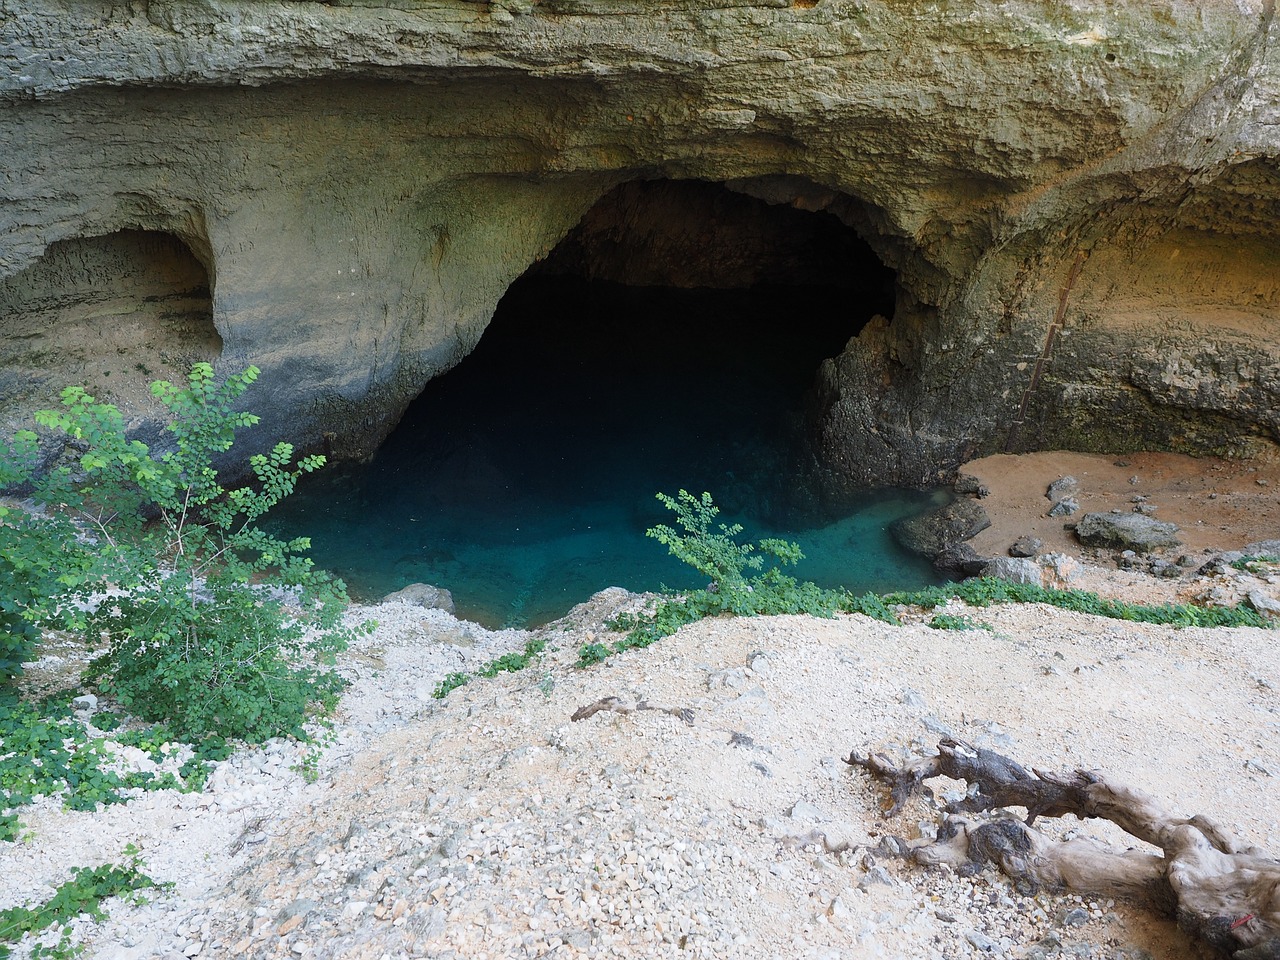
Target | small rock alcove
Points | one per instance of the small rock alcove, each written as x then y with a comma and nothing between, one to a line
669,341
111,312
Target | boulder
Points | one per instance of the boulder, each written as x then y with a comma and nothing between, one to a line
960,558
1014,570
1025,547
1264,603
423,595
1062,488
1126,531
967,485
1064,508
929,534
1060,569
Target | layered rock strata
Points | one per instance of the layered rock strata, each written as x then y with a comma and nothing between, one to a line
1079,201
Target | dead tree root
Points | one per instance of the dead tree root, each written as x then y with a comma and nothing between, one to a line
1225,893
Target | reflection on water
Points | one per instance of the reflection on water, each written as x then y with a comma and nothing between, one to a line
523,480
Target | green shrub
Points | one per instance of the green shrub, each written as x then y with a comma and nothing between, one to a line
720,557
1255,564
507,663
951,621
49,752
41,555
210,623
717,555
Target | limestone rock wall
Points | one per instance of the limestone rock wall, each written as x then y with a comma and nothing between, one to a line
359,183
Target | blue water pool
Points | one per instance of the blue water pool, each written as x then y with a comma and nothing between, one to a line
524,479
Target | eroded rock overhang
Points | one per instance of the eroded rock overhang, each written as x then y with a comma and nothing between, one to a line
1080,201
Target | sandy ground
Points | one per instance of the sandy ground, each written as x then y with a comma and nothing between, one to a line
1218,504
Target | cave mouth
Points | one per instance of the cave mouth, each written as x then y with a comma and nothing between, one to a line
523,480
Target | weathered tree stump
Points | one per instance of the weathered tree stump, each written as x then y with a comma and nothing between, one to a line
1221,891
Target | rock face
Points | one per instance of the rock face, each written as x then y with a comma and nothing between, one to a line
1079,203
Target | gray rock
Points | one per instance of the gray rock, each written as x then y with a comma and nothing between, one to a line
1264,603
1075,917
1062,488
913,699
934,725
423,595
968,485
1026,547
980,941
1126,531
1216,566
929,534
806,811
962,559
1014,569
877,875
1064,508
1257,766
1129,560
1061,568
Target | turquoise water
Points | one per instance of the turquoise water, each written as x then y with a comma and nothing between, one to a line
524,479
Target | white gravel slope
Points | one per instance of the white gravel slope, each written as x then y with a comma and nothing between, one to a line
490,825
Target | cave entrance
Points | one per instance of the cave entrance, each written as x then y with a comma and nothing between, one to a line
668,342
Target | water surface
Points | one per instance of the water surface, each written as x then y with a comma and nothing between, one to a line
524,479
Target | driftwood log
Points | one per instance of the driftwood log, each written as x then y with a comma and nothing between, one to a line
1225,893
618,705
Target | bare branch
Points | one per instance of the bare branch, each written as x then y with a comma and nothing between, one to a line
1222,891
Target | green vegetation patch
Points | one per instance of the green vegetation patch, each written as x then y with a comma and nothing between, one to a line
985,591
951,621
1255,564
84,893
210,625
48,752
507,663
715,553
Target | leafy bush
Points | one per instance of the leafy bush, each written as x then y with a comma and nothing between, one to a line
951,621
1254,564
210,623
40,556
719,556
